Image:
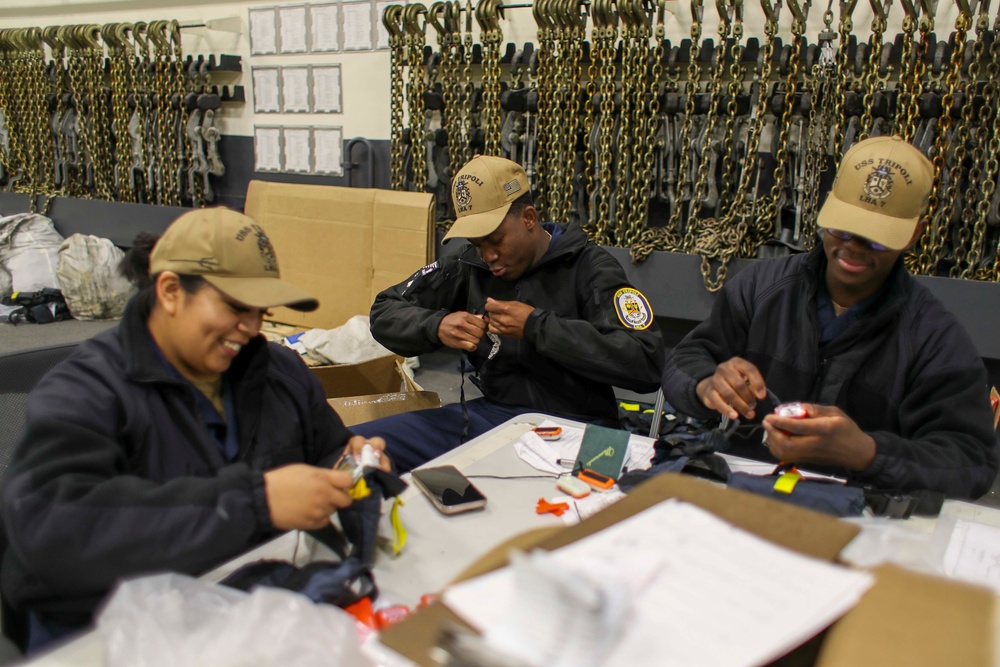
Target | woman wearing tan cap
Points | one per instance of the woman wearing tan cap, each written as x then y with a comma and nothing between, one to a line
176,440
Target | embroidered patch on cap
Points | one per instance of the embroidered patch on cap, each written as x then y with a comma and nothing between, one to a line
511,187
633,308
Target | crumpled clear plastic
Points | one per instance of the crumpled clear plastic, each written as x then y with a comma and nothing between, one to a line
171,619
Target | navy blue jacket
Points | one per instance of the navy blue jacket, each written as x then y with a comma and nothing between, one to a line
575,346
906,372
117,475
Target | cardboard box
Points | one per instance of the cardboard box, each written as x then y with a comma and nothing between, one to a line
372,389
906,618
342,245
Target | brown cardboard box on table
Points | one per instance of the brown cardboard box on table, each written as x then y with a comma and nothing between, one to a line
344,246
906,618
372,389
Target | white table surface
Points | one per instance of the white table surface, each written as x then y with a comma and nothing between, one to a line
439,547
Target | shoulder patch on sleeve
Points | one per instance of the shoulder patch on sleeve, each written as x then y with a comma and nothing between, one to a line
633,308
430,268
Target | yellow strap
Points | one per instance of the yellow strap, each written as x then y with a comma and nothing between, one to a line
786,483
629,407
360,489
14,296
398,529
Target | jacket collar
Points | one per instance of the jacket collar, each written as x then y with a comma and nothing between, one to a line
895,290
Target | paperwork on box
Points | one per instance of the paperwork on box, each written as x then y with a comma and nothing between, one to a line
973,554
544,454
707,593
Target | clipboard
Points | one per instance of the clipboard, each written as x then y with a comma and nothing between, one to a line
602,450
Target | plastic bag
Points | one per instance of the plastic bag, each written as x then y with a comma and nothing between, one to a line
29,247
347,344
171,619
88,273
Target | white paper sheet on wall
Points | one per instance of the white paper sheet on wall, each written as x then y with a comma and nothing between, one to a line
266,97
325,27
293,32
328,150
326,89
357,26
297,151
267,148
263,31
295,89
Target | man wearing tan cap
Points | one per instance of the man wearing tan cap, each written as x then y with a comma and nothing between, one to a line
896,396
176,440
547,318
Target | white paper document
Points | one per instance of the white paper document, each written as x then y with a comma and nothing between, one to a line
295,89
267,148
293,29
718,596
325,27
266,90
297,151
973,554
357,26
263,32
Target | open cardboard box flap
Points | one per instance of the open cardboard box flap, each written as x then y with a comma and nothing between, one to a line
342,245
906,618
372,389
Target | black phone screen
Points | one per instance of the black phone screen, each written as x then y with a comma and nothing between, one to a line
448,485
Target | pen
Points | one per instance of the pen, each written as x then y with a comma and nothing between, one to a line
565,463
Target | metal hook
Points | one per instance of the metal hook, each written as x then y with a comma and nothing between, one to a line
773,11
881,11
698,10
797,11
390,19
434,14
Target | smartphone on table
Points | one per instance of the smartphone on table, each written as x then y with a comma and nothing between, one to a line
448,489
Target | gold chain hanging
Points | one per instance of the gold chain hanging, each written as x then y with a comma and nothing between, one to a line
771,213
488,13
901,124
969,240
391,17
119,54
872,79
695,227
990,138
650,120
844,70
626,120
415,40
693,86
606,35
933,241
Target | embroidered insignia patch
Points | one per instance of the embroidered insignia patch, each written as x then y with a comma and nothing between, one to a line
879,183
633,308
430,268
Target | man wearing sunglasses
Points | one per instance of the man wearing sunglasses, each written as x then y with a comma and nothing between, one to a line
896,395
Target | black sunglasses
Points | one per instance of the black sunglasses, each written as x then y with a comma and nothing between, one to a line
847,236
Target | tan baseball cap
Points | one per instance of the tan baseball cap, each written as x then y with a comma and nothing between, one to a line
880,192
232,253
482,193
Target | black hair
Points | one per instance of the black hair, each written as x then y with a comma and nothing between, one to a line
521,203
134,267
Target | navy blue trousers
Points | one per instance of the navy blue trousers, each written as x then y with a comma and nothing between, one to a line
413,438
